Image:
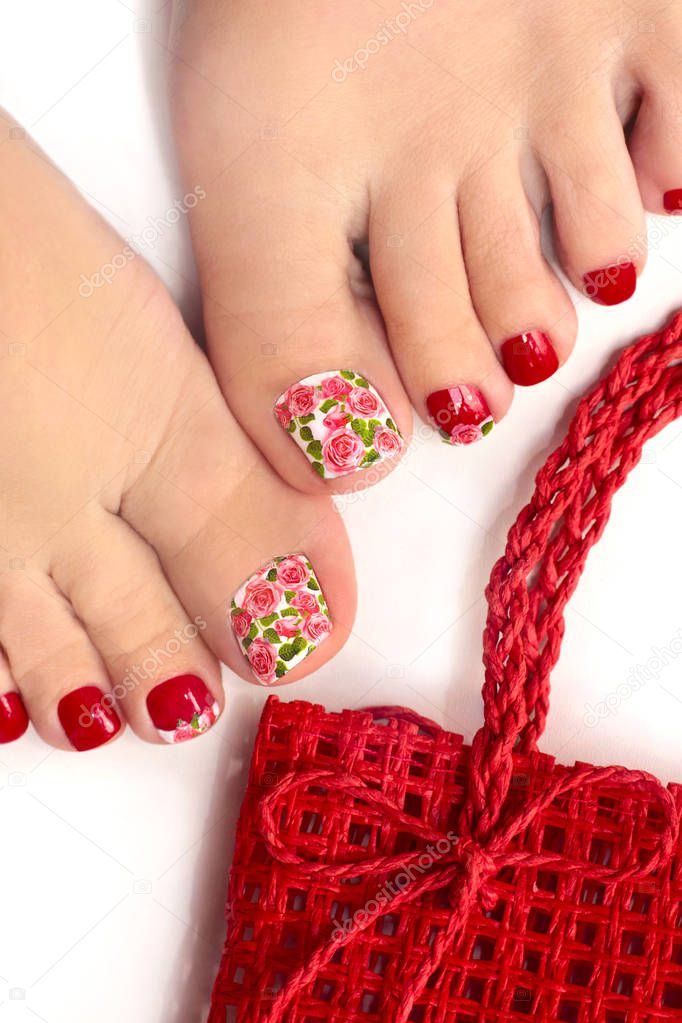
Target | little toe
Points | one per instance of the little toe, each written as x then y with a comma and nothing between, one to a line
598,213
524,308
444,356
163,677
62,680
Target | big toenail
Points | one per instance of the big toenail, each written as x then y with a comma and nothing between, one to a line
280,616
529,358
672,201
182,708
339,421
88,717
612,284
13,717
460,414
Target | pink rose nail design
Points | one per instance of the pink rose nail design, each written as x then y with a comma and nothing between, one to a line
306,602
301,399
241,623
288,627
335,387
261,597
339,421
283,414
293,572
280,616
342,452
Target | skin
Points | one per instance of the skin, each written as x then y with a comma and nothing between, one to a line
134,506
438,146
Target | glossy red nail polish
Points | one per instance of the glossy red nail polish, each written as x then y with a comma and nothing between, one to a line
612,284
529,358
460,414
672,200
13,717
182,708
88,717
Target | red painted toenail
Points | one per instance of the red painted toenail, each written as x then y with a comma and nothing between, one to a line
182,708
612,284
13,717
529,358
88,717
460,414
672,200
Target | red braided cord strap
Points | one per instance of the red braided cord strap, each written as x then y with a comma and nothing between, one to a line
546,551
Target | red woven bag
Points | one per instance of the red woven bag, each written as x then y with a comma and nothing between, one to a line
384,871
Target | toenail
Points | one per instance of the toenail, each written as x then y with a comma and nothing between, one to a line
13,717
88,717
672,201
182,708
460,414
339,421
611,284
280,616
529,358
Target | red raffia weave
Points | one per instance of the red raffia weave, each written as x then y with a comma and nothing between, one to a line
385,872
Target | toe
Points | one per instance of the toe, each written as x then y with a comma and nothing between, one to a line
13,716
164,678
445,358
598,214
656,140
525,310
284,325
61,678
266,568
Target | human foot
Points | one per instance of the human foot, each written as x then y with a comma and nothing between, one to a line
135,507
439,133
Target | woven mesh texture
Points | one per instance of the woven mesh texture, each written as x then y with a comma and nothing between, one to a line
552,942
386,872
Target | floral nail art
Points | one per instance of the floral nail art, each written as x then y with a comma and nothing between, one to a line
195,726
339,421
182,708
280,616
460,414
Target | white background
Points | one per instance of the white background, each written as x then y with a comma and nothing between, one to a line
113,865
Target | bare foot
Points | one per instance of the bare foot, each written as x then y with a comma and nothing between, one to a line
438,132
141,528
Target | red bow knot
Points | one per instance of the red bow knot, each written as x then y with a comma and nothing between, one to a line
478,867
